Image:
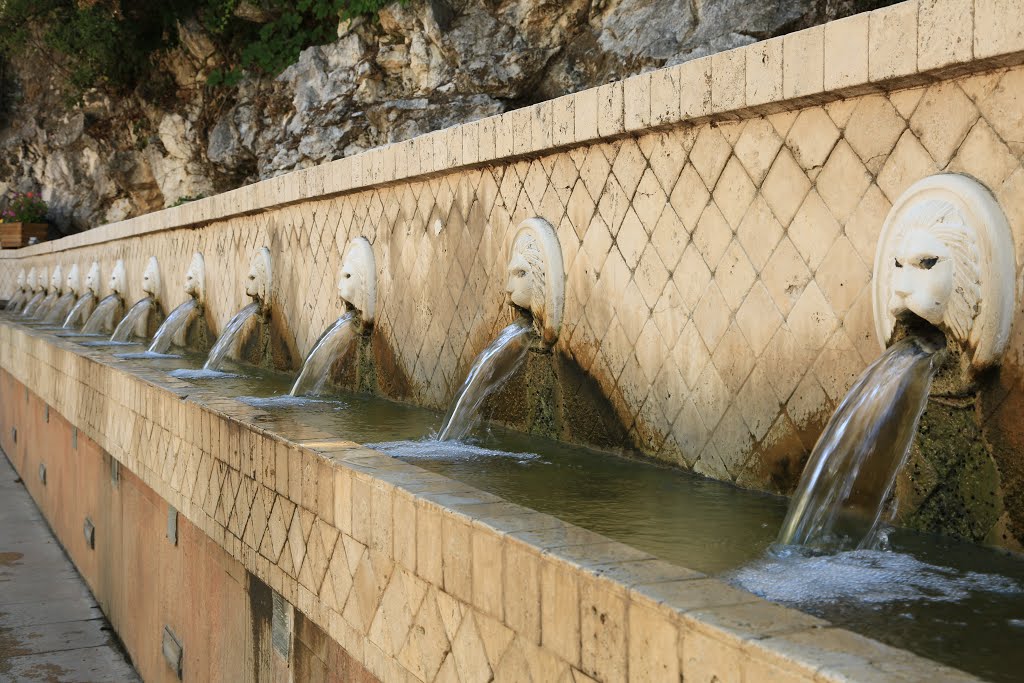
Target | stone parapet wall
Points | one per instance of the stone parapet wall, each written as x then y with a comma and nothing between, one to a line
415,576
718,222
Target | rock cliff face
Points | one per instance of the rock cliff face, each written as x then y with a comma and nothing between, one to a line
414,68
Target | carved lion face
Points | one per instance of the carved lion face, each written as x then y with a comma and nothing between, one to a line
257,283
526,274
357,283
92,278
21,279
31,281
118,278
195,277
935,268
56,279
74,280
151,277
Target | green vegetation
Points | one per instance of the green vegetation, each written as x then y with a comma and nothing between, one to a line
115,44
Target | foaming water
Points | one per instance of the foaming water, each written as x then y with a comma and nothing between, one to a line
103,317
491,369
453,451
202,373
130,321
176,322
282,401
795,576
854,464
80,311
140,355
14,305
228,337
332,343
60,309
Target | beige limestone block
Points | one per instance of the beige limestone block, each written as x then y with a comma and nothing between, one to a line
695,88
603,630
785,187
759,232
764,72
984,156
942,120
908,163
846,52
803,63
945,33
665,95
734,192
560,610
813,230
997,27
610,109
653,646
812,137
585,114
758,318
487,572
636,94
728,80
708,660
892,41
756,148
873,129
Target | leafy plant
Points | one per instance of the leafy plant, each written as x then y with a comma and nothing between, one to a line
24,207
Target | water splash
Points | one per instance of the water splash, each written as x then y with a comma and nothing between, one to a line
286,401
130,321
797,576
453,451
201,373
854,464
143,355
60,309
490,371
229,336
79,310
332,343
176,322
44,307
103,317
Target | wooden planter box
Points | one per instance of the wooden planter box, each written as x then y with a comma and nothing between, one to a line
14,235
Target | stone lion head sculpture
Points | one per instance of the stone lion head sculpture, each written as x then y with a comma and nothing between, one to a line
195,278
536,276
20,280
73,283
258,281
56,280
32,281
151,277
118,278
357,284
946,255
92,278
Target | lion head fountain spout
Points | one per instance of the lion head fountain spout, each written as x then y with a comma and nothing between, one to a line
136,320
946,256
357,285
106,315
259,280
20,292
92,279
536,276
195,278
54,292
83,308
62,306
118,279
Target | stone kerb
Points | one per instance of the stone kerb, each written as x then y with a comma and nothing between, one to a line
907,44
402,566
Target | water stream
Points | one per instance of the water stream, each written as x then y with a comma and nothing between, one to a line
229,336
44,307
332,343
130,321
490,371
59,309
103,317
844,488
177,321
80,310
33,304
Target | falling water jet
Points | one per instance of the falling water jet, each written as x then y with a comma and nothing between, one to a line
20,295
56,288
83,308
135,320
104,317
258,288
36,284
536,288
357,288
174,329
944,264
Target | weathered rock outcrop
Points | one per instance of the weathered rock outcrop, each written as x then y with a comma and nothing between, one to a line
414,68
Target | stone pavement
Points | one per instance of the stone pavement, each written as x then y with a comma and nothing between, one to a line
51,628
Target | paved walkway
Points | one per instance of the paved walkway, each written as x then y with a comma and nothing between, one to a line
51,628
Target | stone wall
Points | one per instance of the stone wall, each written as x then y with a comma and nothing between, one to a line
718,221
387,570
